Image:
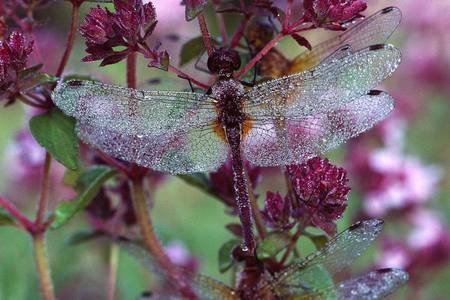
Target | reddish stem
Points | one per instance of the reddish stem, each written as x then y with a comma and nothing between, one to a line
23,220
43,198
131,70
205,33
239,31
70,39
221,23
260,54
183,75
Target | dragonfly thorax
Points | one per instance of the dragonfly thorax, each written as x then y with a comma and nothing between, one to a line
228,94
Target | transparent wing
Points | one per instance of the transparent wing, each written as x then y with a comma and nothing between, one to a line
326,87
289,140
373,285
375,29
167,131
315,271
205,287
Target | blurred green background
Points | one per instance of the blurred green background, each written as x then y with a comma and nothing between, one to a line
180,212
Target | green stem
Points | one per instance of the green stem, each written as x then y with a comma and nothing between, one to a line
112,273
151,241
42,267
43,198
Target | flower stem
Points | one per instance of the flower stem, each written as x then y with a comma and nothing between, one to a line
205,33
42,267
17,214
260,54
239,31
151,241
291,246
131,70
112,273
43,197
259,224
70,39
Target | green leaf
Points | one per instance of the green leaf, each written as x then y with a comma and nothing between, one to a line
5,218
198,180
29,71
319,240
88,184
84,236
36,79
191,49
272,244
56,133
70,177
225,257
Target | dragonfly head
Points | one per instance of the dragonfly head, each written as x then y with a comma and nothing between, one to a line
224,61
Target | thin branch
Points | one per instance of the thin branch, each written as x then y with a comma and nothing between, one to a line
43,197
112,272
221,23
259,224
42,267
260,54
23,220
183,75
131,70
70,39
291,246
151,241
239,31
205,33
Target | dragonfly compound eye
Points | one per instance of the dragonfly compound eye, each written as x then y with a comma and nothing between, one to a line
224,61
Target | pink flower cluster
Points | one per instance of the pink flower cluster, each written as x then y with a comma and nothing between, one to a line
331,14
14,53
129,25
320,190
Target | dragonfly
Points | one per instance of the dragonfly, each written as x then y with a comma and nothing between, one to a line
275,123
307,279
360,33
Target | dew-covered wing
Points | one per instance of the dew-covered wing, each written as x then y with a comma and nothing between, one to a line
371,286
316,271
166,131
289,140
361,33
204,287
324,88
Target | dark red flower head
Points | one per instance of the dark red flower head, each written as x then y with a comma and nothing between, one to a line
129,25
14,53
331,13
321,190
277,211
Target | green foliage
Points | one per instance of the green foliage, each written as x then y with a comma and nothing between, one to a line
84,236
191,49
56,133
5,218
272,244
88,184
225,257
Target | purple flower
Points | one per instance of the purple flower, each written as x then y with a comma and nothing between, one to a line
331,13
321,190
128,26
14,53
277,211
